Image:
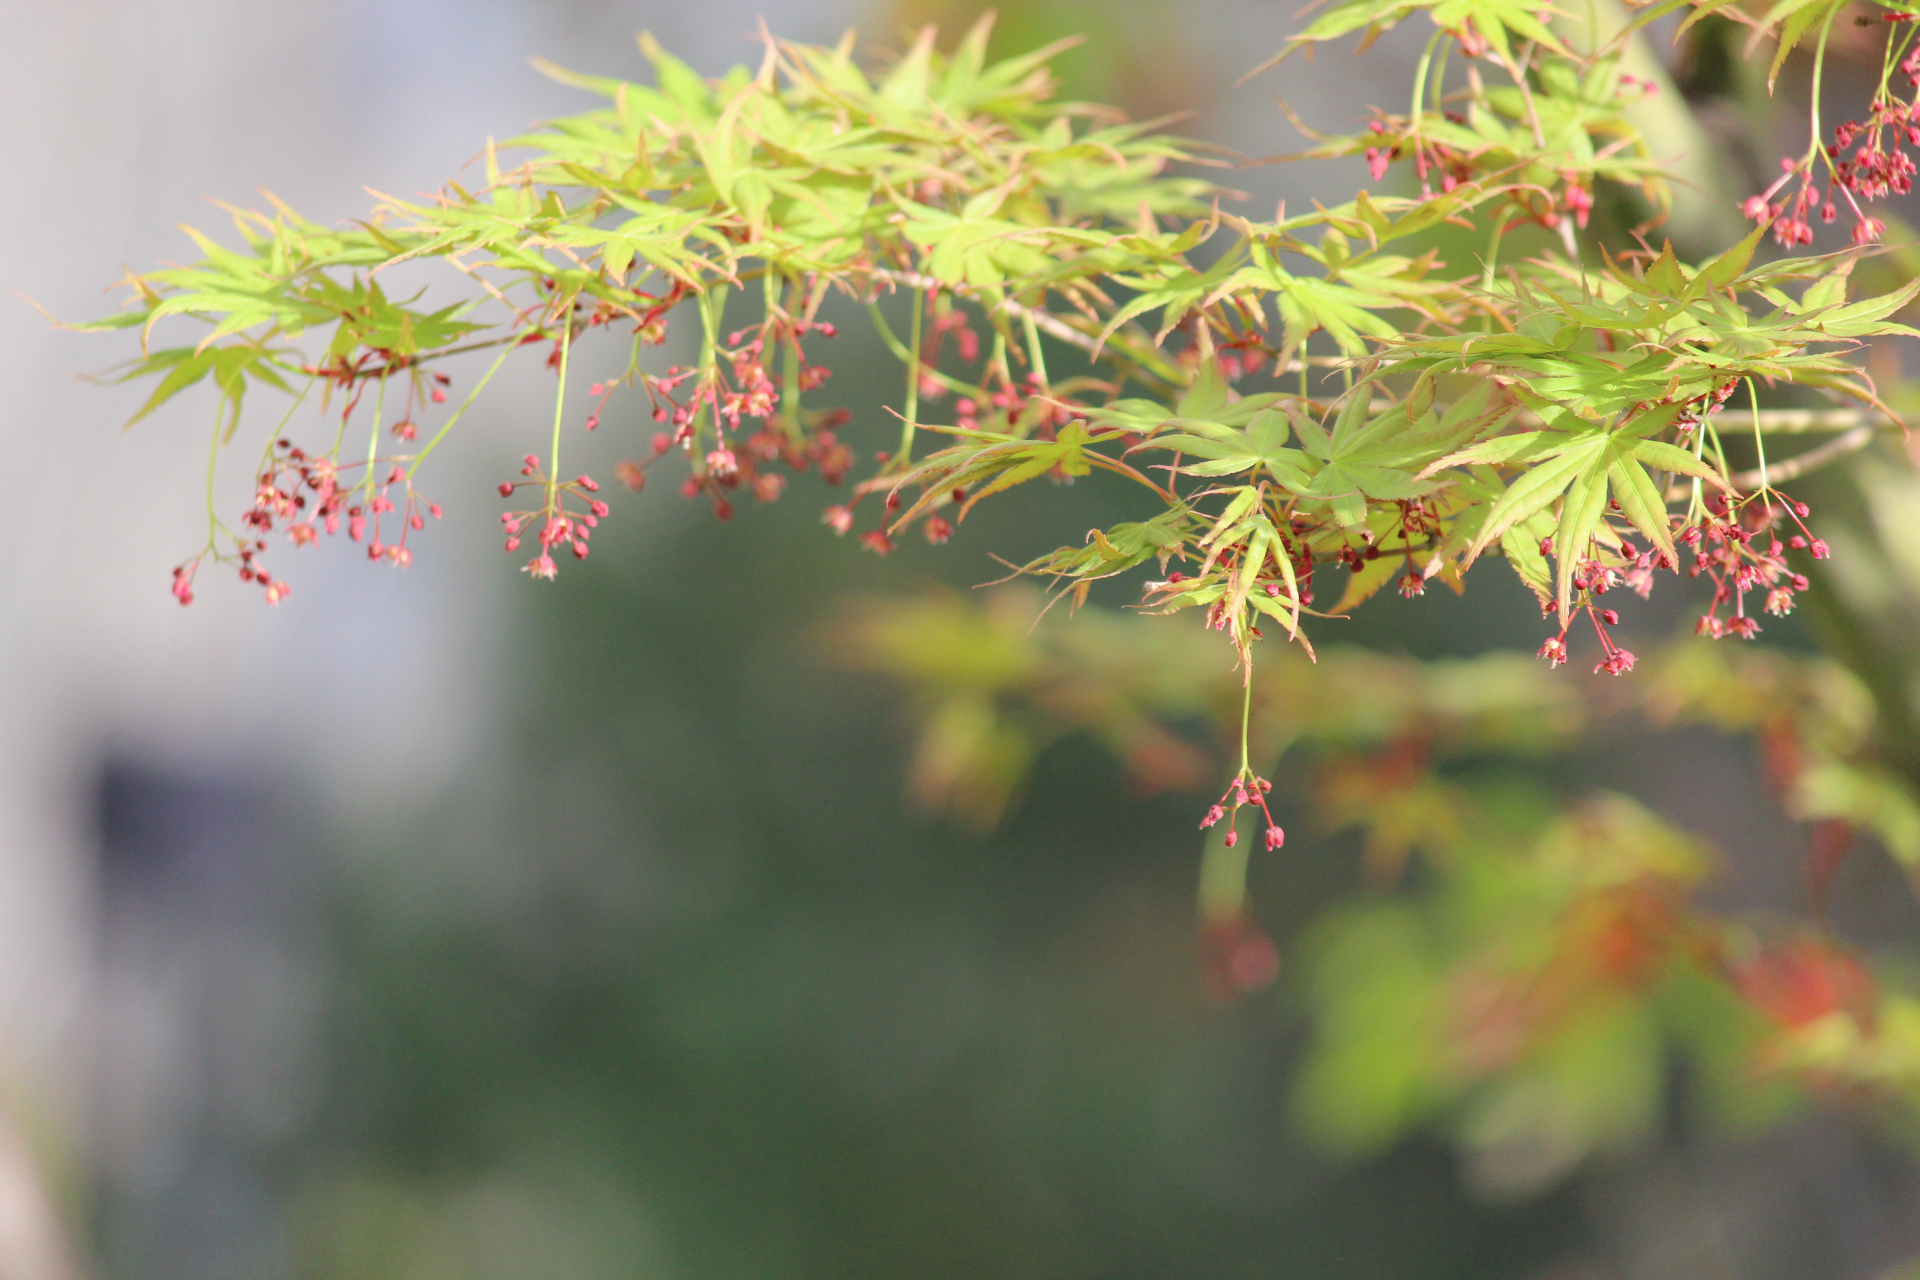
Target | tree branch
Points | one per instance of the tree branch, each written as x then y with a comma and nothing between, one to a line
1800,464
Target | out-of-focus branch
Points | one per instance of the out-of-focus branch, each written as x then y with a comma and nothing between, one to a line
1799,465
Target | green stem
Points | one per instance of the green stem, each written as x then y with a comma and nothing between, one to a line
1706,424
1759,444
1246,718
913,375
899,349
373,437
466,404
1813,110
1420,84
1035,356
213,456
559,409
790,389
712,303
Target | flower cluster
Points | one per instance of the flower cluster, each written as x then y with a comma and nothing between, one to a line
1591,580
1734,546
1247,788
1728,548
1867,160
737,385
560,524
1876,170
303,495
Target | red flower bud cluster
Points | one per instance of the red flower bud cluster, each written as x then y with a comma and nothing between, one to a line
1867,160
303,496
1737,549
737,386
567,517
1247,788
1734,546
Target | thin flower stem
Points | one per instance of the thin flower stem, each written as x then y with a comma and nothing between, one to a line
1759,443
712,305
1045,321
1519,74
1696,503
900,351
1719,453
1493,258
213,456
559,409
1246,717
373,437
913,375
1420,83
466,404
1035,357
1813,100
